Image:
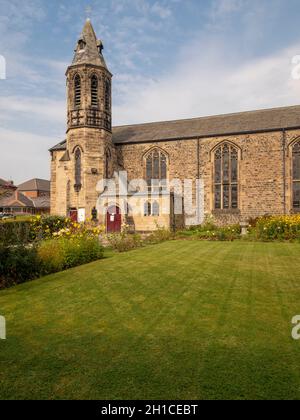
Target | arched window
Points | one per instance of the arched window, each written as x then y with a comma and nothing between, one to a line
296,176
147,209
107,163
107,95
77,91
156,169
155,209
226,178
94,90
78,169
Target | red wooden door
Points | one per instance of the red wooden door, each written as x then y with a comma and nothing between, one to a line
74,215
113,220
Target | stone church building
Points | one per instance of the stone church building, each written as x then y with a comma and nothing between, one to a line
249,162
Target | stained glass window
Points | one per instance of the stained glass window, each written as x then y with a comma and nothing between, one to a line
226,178
156,169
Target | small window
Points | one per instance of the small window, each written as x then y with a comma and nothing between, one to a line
155,209
147,209
81,44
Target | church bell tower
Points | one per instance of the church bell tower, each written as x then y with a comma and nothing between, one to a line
89,126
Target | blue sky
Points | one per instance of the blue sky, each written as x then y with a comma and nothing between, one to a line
170,59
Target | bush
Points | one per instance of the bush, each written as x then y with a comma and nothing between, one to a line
60,254
280,228
159,235
210,232
17,265
43,227
125,242
34,229
21,263
16,232
50,255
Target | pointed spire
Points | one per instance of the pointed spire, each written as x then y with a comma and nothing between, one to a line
89,49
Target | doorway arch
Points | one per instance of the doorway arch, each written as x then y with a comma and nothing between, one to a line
113,219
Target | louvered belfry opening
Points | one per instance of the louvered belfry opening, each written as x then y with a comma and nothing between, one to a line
77,91
94,91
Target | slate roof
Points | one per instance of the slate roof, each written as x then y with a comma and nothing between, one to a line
220,125
264,120
90,54
35,185
41,202
8,184
16,199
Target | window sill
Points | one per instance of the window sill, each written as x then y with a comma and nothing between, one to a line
224,212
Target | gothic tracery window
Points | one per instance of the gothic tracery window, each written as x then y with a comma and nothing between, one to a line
94,90
296,176
226,178
156,169
77,169
77,91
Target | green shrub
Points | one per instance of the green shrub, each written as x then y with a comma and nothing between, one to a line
210,232
51,257
17,265
60,254
43,227
125,242
21,263
160,235
16,232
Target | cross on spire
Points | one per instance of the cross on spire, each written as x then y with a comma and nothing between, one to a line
88,11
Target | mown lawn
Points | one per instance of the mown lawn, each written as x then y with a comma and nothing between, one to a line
181,320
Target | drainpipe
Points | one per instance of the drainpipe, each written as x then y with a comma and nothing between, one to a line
284,168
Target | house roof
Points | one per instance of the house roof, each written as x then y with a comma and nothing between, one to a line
16,199
264,120
41,202
35,185
6,184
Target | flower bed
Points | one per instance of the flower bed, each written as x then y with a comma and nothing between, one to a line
281,228
47,245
